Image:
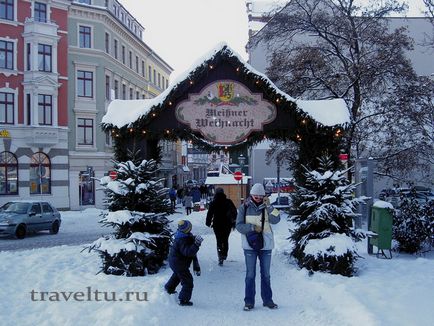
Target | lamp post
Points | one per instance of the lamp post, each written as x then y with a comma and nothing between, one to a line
241,161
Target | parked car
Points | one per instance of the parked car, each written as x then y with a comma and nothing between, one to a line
21,217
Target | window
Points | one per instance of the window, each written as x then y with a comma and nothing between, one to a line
115,42
108,138
44,57
7,9
36,208
137,95
162,83
40,12
130,57
84,131
84,36
8,174
107,87
40,174
46,208
106,3
88,2
116,89
29,56
137,64
131,93
123,54
155,77
149,73
45,109
29,109
7,108
107,43
124,91
167,83
159,80
143,68
84,83
6,55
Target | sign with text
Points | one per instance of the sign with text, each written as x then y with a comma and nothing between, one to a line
225,112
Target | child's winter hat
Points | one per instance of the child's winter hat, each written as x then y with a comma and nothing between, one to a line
258,190
184,226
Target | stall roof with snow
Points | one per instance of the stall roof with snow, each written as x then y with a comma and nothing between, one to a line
222,102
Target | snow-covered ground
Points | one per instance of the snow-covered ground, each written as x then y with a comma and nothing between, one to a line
386,292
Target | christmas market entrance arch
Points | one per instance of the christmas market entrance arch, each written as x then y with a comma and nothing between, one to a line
223,103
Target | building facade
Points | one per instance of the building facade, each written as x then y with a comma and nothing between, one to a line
33,101
107,60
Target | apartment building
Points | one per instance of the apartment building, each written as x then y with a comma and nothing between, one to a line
107,60
33,101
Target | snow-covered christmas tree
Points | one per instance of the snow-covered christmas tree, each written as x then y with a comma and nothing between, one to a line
137,210
412,225
324,237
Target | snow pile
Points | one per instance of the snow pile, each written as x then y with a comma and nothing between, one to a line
334,245
382,204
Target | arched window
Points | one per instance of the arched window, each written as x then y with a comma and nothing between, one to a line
40,174
8,174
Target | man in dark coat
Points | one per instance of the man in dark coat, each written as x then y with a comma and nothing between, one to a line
221,216
182,254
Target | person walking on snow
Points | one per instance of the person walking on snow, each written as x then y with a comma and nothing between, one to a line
188,203
257,215
182,253
221,216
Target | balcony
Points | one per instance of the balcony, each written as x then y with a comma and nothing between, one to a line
42,137
44,27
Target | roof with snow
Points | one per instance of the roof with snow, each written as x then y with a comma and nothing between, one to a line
156,116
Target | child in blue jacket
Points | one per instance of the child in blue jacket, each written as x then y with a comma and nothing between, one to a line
182,254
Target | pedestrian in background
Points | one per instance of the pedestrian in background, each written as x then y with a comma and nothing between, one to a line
221,216
188,203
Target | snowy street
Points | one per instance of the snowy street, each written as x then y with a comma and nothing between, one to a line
386,292
78,227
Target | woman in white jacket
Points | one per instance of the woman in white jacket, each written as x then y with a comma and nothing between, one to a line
249,219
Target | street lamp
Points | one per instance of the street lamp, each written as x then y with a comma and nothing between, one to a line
241,161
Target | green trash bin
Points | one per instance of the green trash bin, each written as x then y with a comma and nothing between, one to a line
381,224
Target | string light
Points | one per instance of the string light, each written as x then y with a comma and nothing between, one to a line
238,69
303,121
144,132
191,82
167,131
211,66
170,103
153,114
277,100
298,137
131,129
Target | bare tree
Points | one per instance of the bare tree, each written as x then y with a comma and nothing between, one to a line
429,12
335,49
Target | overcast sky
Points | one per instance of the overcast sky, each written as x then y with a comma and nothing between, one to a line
182,31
